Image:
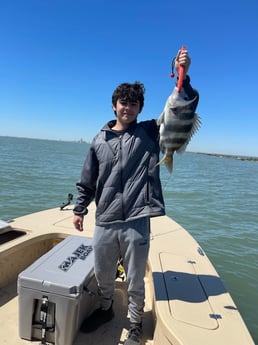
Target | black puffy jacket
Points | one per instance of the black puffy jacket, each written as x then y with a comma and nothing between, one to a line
122,175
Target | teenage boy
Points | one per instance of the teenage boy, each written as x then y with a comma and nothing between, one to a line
122,175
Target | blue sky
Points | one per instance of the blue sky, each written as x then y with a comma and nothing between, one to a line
60,61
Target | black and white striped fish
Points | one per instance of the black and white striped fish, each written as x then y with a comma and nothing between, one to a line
178,123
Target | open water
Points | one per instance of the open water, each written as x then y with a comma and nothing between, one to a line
214,198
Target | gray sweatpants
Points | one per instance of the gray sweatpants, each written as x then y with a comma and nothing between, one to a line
129,240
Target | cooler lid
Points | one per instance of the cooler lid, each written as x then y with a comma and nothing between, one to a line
64,270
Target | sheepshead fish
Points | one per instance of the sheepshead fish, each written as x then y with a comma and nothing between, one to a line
178,123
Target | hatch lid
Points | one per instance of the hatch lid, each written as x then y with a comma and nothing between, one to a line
187,299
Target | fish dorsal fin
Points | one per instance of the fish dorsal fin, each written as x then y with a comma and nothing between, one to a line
196,125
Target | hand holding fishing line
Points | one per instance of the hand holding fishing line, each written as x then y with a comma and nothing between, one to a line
182,63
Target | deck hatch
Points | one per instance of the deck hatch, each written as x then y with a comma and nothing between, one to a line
187,298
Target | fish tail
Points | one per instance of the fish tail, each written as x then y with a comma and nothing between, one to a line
169,164
168,161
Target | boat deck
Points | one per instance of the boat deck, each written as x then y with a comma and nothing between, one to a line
186,301
112,333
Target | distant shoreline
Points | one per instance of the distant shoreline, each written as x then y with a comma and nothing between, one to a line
82,141
237,157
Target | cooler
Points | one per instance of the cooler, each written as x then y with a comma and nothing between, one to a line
57,292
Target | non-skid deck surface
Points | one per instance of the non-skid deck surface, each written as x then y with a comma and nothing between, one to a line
112,333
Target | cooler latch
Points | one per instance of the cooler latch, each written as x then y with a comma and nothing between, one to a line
43,319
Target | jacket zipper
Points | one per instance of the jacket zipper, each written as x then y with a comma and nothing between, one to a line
121,174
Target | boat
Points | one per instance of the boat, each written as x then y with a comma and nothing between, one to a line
186,300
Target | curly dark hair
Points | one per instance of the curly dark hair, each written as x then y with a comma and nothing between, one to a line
129,92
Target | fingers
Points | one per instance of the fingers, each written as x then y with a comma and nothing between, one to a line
78,222
183,59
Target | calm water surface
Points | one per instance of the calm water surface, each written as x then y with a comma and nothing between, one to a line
215,199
